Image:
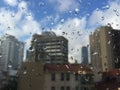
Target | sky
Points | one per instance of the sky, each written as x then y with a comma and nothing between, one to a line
73,19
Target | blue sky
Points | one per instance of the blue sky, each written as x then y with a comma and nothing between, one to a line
76,18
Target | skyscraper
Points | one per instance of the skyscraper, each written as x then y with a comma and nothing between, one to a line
11,52
105,49
84,54
49,48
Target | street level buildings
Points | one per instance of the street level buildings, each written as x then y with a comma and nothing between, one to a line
37,76
104,49
49,48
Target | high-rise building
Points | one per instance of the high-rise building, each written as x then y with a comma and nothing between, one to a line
49,48
84,55
105,49
11,52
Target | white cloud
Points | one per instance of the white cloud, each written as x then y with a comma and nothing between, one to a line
21,24
111,15
74,31
65,5
11,2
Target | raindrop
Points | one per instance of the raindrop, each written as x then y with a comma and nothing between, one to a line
81,66
63,33
41,3
109,25
0,56
76,11
95,53
52,23
72,33
115,10
80,1
43,28
62,20
25,72
22,8
12,15
108,42
8,27
87,79
109,32
70,12
107,89
117,24
9,66
45,12
117,14
107,6
71,49
67,66
102,18
116,61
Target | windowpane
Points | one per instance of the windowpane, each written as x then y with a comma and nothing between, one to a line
67,76
76,77
53,76
62,76
52,88
67,88
62,88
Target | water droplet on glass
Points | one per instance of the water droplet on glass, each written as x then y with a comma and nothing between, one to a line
25,72
115,10
9,66
95,53
52,23
63,33
0,56
76,11
106,7
80,1
107,88
109,42
109,25
12,15
62,20
109,32
41,3
102,18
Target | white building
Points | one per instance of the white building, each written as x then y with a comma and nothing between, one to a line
11,52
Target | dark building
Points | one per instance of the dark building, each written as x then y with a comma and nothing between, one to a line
49,48
84,52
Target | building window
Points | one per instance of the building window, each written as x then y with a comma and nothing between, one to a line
62,76
52,76
76,77
67,76
67,88
76,88
62,88
52,88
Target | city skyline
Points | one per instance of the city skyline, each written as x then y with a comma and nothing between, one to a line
74,19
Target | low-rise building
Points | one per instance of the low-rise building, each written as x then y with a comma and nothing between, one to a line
37,76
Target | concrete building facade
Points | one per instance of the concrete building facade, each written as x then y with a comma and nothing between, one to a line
104,49
49,48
